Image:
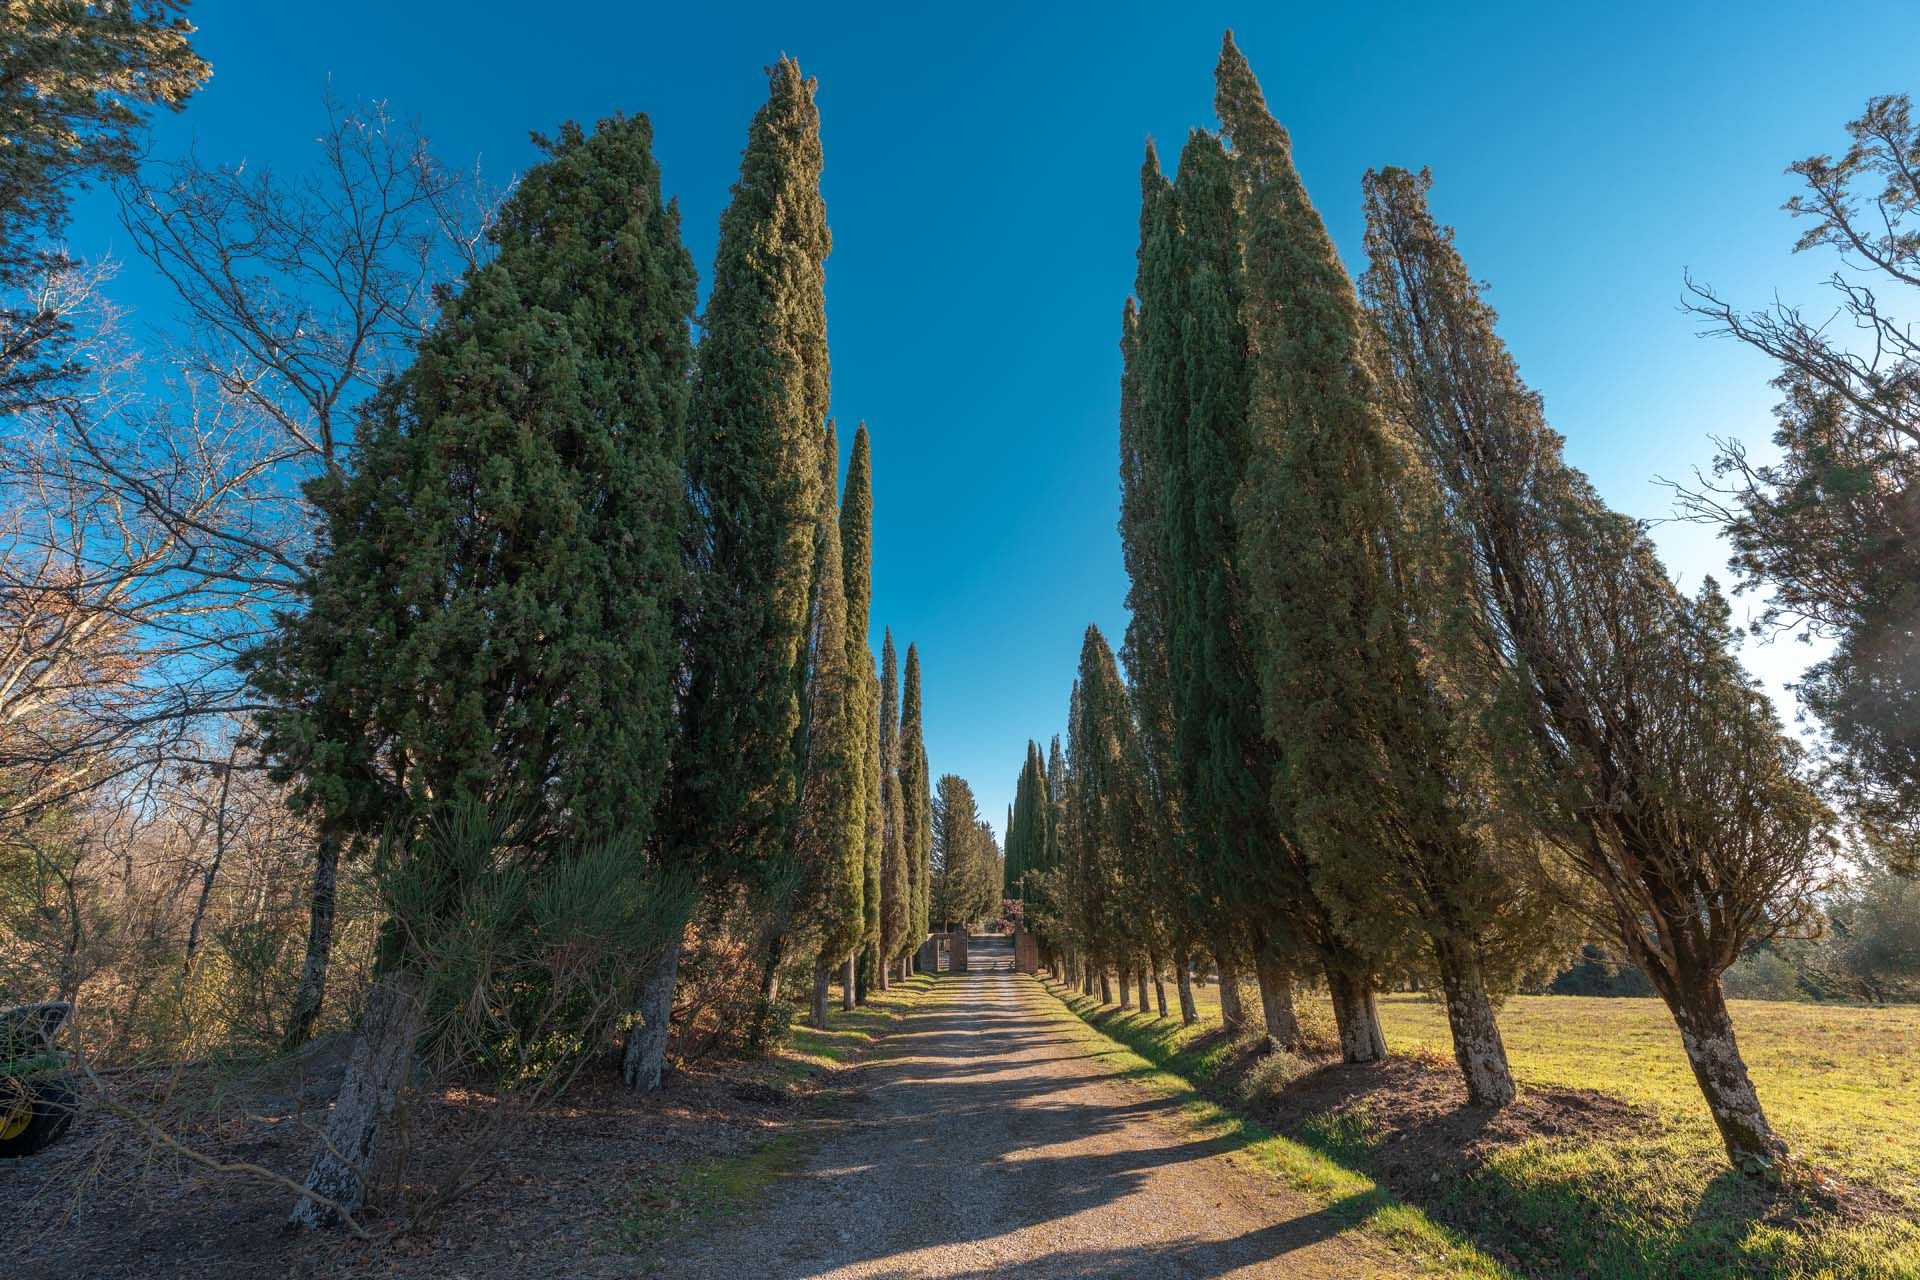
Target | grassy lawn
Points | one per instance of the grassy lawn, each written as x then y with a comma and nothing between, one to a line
1657,1200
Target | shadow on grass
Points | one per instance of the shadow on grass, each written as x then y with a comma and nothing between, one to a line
1633,1197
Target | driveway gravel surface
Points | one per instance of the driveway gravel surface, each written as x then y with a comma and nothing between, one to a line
987,1140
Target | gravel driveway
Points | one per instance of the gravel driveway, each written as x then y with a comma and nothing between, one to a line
987,1141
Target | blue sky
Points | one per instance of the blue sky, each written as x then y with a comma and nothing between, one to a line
982,186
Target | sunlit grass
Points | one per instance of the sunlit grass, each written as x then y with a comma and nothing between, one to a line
1150,1053
1658,1199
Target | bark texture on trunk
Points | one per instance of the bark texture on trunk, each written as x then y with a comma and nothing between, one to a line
822,982
1706,1031
849,983
1233,1015
1106,987
1160,990
1358,1020
646,1054
1477,1045
1189,1012
1126,989
378,1067
1144,994
1276,1004
312,991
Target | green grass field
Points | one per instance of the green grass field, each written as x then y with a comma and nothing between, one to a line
1657,1199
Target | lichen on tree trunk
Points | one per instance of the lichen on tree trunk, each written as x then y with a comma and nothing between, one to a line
1477,1045
1276,1004
647,1043
1356,1017
822,981
1183,979
1233,1014
1706,1032
378,1068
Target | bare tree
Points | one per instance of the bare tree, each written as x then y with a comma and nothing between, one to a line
1830,529
302,294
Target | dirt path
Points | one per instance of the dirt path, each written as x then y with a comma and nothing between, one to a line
990,1142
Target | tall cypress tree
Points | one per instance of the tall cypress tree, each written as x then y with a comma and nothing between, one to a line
1175,887
916,791
1187,395
489,620
856,558
896,884
1358,587
830,836
758,407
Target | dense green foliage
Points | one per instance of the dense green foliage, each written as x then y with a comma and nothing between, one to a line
489,617
754,465
965,868
916,802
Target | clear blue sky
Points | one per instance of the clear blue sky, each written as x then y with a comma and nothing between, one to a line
982,188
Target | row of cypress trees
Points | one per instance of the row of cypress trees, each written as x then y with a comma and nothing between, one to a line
599,586
1402,694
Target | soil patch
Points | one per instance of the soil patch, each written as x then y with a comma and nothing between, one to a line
108,1204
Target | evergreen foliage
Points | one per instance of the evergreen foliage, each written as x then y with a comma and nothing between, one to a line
489,615
831,833
896,884
856,557
916,802
1357,591
759,404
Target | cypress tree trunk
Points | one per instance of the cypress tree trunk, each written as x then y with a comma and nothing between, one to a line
377,1071
849,982
1706,1031
1142,975
1183,977
1354,1013
1276,1004
1126,987
646,1054
1233,1015
1106,986
761,1033
312,991
1477,1046
822,980
1160,989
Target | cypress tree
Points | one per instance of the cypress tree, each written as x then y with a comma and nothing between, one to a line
1174,883
489,614
896,885
1357,586
759,404
1623,722
856,558
1110,817
916,793
1188,392
831,833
